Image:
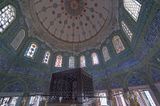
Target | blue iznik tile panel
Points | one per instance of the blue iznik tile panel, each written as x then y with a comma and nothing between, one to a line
34,80
30,71
116,85
4,63
155,74
153,32
15,87
135,80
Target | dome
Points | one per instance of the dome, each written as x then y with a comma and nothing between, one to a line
77,24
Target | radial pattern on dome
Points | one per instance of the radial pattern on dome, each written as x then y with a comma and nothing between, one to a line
72,20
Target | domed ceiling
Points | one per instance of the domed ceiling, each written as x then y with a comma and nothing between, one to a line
73,24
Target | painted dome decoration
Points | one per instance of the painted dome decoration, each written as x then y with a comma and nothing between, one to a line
74,22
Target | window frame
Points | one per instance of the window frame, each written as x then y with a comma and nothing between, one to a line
115,38
105,56
46,58
127,31
29,48
71,61
57,65
95,59
84,60
134,15
7,21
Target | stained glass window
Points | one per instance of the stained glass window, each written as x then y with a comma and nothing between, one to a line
127,31
82,61
7,15
46,57
58,62
105,54
133,7
18,39
4,101
118,45
95,60
30,52
71,62
148,98
13,101
35,100
103,99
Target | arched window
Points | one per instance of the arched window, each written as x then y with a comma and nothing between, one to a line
95,58
18,39
103,99
105,54
127,31
71,62
133,7
35,100
82,61
46,57
117,43
30,52
58,62
7,15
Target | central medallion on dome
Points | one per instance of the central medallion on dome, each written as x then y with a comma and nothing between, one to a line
74,7
73,21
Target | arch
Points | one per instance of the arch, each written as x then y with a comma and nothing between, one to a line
117,43
127,31
155,73
30,52
58,62
7,16
82,61
133,7
46,57
152,34
71,62
116,80
116,84
95,60
133,75
18,39
106,55
19,83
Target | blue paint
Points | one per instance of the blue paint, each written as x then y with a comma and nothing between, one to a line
153,31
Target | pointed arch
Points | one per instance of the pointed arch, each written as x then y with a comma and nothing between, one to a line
59,60
95,60
71,62
126,30
117,43
31,50
15,85
7,16
133,7
105,53
82,61
46,57
16,42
